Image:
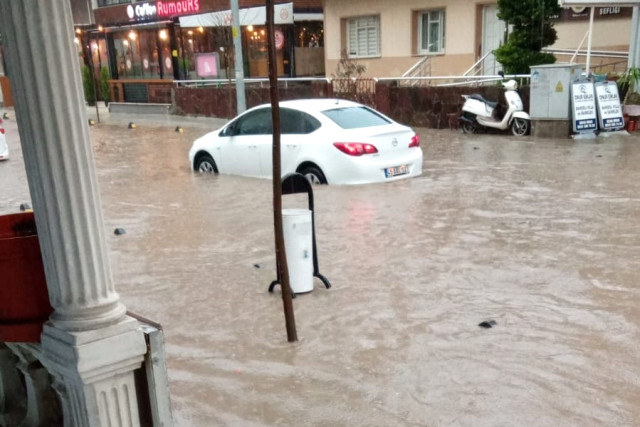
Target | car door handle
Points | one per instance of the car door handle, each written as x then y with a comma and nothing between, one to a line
292,145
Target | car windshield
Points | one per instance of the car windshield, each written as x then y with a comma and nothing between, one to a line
355,117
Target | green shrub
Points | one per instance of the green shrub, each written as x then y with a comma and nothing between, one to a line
89,85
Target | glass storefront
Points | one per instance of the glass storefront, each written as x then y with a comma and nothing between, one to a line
99,53
216,42
309,34
164,50
142,54
255,37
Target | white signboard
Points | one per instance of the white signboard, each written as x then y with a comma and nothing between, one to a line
595,3
583,107
609,109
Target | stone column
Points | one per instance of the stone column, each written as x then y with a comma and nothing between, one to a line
89,345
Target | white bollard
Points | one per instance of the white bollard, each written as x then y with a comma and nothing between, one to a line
298,245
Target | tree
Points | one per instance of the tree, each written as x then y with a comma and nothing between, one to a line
346,72
348,68
532,30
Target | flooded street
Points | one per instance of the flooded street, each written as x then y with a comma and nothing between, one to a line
539,235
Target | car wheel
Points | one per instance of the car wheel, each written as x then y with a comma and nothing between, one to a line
468,127
205,164
314,175
519,126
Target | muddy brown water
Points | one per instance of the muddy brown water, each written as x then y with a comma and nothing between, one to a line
539,235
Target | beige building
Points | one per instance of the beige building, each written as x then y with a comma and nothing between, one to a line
447,36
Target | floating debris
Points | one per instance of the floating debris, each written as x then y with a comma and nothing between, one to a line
487,324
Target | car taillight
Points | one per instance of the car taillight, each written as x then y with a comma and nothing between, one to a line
355,148
415,141
2,131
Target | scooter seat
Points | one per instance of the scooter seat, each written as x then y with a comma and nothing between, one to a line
480,98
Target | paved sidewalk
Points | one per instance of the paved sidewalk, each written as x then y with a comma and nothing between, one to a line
102,113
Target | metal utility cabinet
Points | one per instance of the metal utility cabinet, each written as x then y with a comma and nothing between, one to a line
550,99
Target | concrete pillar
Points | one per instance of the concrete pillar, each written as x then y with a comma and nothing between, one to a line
89,345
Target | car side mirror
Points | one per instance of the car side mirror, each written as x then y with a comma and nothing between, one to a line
228,131
501,73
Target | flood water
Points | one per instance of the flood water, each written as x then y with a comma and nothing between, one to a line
540,236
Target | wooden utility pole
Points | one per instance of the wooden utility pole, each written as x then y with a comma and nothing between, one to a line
281,258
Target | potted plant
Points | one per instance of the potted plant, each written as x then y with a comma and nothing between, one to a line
628,84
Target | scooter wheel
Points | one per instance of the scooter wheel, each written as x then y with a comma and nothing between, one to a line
520,127
468,127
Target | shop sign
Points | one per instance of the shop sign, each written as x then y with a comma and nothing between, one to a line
576,13
207,64
583,101
609,109
178,7
141,12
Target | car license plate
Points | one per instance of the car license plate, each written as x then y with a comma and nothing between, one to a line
395,171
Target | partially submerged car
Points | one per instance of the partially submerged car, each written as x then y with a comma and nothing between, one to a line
330,141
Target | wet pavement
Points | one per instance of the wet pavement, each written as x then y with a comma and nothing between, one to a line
538,235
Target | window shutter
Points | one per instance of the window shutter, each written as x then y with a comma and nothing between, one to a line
363,36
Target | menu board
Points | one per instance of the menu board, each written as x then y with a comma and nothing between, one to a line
583,107
609,109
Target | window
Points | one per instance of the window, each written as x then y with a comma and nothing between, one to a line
431,31
356,117
297,122
137,55
259,123
363,36
102,3
255,123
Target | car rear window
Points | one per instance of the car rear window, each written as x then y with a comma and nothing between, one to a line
355,117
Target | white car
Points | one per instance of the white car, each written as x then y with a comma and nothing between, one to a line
330,141
4,149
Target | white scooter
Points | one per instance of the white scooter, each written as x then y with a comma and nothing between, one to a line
478,112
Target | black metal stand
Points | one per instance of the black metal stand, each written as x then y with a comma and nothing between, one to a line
297,183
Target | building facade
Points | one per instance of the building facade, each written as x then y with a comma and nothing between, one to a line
146,45
191,39
449,36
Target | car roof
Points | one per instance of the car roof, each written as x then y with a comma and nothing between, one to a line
316,104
